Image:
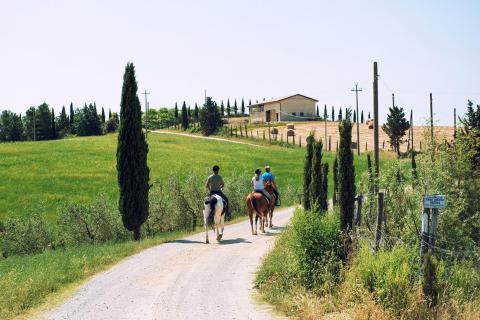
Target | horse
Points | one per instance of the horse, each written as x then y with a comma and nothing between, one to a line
256,203
214,215
273,200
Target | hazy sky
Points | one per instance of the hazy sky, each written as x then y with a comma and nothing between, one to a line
62,51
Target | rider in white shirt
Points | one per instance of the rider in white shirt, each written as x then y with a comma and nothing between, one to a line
258,184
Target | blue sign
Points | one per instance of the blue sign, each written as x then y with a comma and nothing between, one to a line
435,201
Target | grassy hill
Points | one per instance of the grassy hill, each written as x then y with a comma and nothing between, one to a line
39,176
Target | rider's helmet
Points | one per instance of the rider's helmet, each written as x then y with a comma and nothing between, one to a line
267,168
258,171
216,168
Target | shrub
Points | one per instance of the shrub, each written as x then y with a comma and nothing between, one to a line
97,222
316,247
26,236
111,125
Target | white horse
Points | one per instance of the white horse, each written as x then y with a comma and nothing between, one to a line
214,218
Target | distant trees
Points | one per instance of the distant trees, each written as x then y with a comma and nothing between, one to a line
235,108
315,177
346,174
196,112
222,109
175,112
469,136
72,115
43,122
210,118
354,116
87,122
361,118
242,110
11,127
229,110
317,112
112,124
53,126
132,149
325,115
369,115
340,118
333,114
184,116
396,127
103,115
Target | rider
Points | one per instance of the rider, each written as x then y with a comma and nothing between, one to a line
215,185
258,184
268,177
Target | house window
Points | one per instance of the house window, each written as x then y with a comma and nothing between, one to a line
294,113
301,114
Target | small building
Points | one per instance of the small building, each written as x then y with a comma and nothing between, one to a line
296,107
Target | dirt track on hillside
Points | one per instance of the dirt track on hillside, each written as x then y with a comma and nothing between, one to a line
184,279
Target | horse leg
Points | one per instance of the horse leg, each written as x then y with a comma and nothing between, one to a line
271,217
206,227
250,216
222,224
262,222
256,222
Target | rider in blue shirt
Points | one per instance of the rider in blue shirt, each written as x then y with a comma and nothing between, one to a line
268,177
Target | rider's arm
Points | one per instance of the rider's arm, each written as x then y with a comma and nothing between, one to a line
207,185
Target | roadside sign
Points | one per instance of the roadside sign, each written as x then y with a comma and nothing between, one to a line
436,201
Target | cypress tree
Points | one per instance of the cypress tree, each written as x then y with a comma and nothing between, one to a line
195,112
184,117
249,102
132,149
346,175
335,181
109,113
354,116
340,114
222,109
324,189
396,127
318,112
53,126
228,108
210,118
325,114
103,115
242,110
43,122
189,112
307,173
72,115
369,115
235,108
175,113
63,122
361,118
316,181
333,114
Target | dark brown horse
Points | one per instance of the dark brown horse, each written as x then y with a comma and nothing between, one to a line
269,189
256,203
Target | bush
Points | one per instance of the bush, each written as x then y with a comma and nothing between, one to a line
90,223
316,248
111,125
26,236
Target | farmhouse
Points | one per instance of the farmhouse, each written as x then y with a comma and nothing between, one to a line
296,107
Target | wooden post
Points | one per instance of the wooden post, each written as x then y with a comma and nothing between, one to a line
383,145
359,209
433,229
293,139
329,143
269,134
411,129
378,234
241,131
281,137
366,146
425,231
236,132
337,146
258,137
300,141
420,145
375,124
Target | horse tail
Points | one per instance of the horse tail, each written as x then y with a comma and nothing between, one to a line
252,203
211,215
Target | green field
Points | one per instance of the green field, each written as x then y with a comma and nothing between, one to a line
39,176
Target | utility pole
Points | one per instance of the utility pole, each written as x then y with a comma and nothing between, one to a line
411,128
431,115
375,123
146,112
454,122
358,115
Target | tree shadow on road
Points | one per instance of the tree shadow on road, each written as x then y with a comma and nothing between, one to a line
233,241
224,241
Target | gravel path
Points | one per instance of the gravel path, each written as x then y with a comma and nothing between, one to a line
183,279
208,138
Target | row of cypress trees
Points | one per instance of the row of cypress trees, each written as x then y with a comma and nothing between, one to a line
316,176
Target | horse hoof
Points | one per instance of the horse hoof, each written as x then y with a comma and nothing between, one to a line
255,233
207,241
271,225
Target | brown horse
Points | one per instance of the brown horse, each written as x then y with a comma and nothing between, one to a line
256,203
269,189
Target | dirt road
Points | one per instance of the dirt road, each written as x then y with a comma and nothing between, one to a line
184,279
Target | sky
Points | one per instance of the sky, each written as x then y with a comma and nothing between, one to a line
76,51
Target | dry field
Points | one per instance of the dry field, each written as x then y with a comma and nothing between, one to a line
302,129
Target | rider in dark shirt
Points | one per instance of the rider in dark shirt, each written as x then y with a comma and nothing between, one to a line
215,185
